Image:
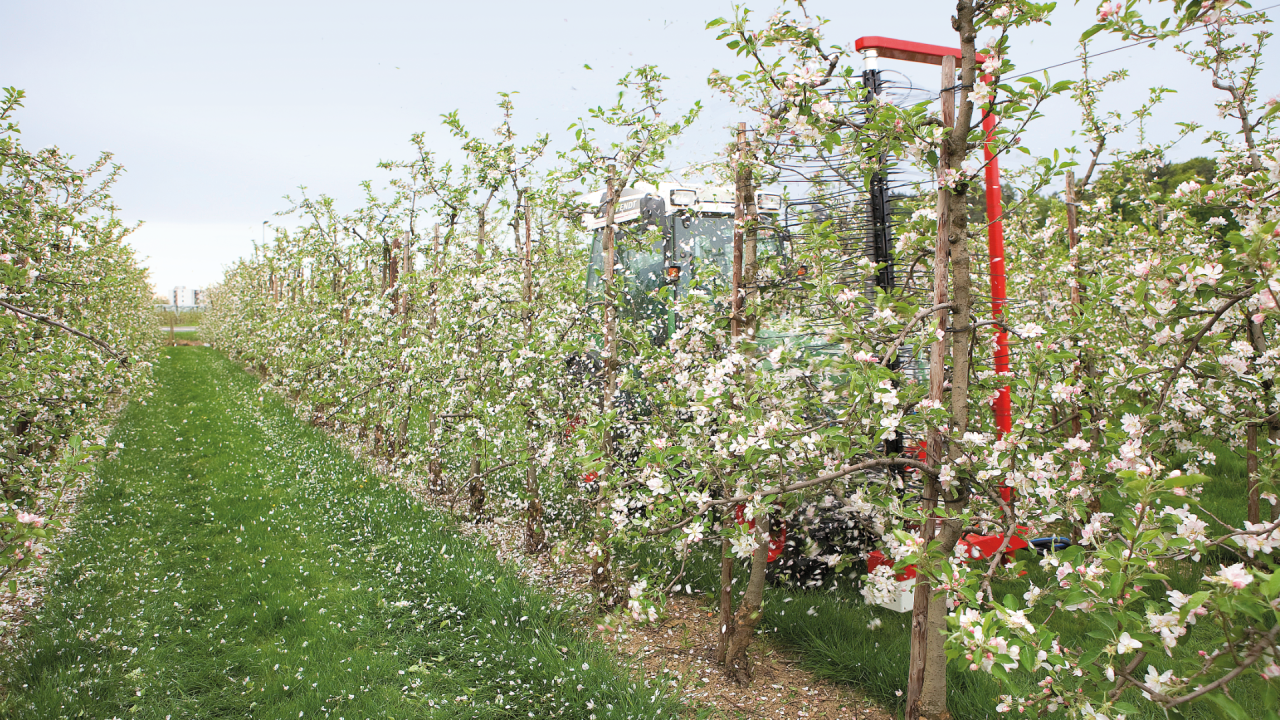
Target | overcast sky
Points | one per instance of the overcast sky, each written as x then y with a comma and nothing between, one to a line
217,110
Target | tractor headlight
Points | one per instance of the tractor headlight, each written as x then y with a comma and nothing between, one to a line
768,203
683,198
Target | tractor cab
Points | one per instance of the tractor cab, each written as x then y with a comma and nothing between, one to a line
674,236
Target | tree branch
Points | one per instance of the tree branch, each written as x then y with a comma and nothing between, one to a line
1195,342
821,479
903,334
50,321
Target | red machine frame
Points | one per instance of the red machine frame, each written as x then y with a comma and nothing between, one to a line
908,51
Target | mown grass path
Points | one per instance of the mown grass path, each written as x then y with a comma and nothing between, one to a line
232,562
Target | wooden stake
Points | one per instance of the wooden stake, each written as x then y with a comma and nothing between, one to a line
739,224
735,330
918,663
1073,242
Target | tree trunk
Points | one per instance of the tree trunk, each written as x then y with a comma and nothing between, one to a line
475,490
737,663
926,671
1275,442
406,269
436,473
1073,243
744,269
402,433
1259,342
933,692
535,536
435,470
926,680
601,574
1251,468
726,598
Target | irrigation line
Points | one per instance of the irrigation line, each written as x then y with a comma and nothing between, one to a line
1133,45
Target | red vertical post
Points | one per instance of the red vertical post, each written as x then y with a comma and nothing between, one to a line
995,249
894,49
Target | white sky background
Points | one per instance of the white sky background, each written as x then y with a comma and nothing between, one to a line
217,110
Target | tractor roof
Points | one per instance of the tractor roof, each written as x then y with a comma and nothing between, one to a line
665,199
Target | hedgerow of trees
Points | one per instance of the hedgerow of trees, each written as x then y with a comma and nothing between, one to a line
447,323
78,326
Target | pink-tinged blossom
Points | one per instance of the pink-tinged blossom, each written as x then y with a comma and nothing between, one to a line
1108,10
890,424
879,586
1131,424
1092,532
1267,300
1076,443
744,545
1214,8
30,519
982,91
1260,541
848,295
1062,392
1193,278
1168,626
1235,576
946,477
1029,330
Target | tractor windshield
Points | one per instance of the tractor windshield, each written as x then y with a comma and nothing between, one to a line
709,239
639,269
701,247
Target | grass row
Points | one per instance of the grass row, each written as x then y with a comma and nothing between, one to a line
231,562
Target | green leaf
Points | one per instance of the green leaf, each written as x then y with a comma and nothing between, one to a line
1272,586
1187,480
1196,600
587,66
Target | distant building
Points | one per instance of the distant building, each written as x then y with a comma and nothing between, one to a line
185,296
